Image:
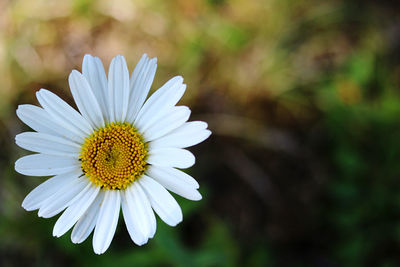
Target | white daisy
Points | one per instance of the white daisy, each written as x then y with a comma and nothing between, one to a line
119,150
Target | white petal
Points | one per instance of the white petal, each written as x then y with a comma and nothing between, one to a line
144,208
85,99
118,88
107,221
93,70
162,202
172,157
45,165
175,117
64,197
131,223
39,120
173,173
162,99
87,222
189,134
140,83
47,144
139,70
173,183
140,219
63,113
45,190
72,214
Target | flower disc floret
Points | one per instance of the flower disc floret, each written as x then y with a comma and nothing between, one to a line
114,156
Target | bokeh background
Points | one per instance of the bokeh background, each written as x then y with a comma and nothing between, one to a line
303,98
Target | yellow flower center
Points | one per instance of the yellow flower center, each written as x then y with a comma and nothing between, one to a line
114,156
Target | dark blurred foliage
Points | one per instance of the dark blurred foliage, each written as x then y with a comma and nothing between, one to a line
303,98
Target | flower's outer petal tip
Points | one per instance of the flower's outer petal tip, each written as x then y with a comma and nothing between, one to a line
197,196
120,57
209,133
177,222
87,56
144,242
97,251
24,206
74,72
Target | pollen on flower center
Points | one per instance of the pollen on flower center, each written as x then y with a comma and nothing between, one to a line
114,156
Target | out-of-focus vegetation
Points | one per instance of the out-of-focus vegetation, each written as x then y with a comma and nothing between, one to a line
303,100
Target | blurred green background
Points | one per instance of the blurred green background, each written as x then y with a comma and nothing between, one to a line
303,98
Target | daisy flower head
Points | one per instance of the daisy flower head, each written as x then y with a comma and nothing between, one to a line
120,150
